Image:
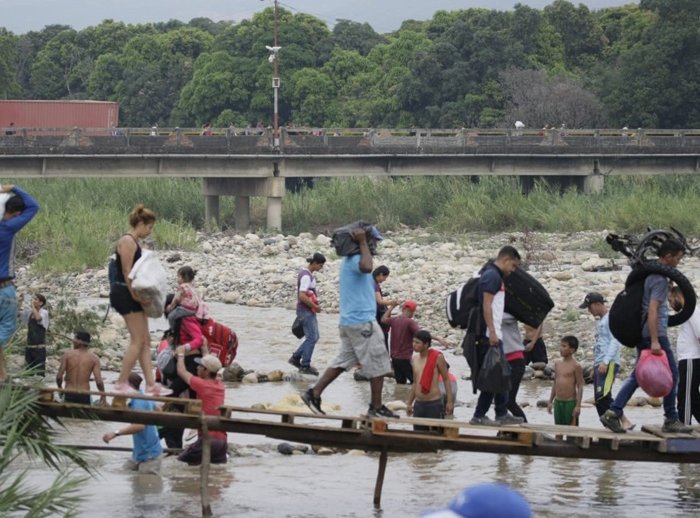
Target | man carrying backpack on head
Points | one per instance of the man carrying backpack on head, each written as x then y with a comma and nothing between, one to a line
492,296
655,318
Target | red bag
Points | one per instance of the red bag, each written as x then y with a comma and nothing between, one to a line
223,341
653,373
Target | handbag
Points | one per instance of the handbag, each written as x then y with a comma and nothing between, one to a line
298,327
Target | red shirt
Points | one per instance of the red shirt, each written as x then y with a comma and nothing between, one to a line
191,333
402,331
211,393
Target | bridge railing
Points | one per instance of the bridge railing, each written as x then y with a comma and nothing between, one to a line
308,140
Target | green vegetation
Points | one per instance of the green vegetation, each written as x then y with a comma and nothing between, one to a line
81,219
635,66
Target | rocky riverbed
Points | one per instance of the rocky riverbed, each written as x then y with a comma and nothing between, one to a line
260,271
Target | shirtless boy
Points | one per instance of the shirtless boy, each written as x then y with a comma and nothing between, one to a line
78,365
567,390
425,399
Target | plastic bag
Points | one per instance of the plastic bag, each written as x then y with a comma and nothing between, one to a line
653,373
165,361
494,372
298,327
149,282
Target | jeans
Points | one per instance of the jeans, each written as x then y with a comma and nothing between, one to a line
8,314
306,349
517,369
485,399
630,384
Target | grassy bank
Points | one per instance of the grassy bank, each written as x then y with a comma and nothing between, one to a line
81,218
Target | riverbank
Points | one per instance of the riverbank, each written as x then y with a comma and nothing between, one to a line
260,271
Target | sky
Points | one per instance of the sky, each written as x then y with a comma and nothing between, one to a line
20,16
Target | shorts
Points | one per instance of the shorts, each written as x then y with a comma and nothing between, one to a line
192,455
564,412
429,409
81,399
403,370
363,344
149,467
8,314
121,300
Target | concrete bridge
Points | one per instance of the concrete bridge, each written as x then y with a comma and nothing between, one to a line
243,162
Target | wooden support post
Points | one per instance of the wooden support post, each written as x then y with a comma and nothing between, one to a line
383,457
204,470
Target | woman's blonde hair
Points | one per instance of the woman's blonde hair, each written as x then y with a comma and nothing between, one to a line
140,214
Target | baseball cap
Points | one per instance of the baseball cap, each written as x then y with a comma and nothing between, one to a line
410,305
209,362
591,298
318,258
485,501
82,336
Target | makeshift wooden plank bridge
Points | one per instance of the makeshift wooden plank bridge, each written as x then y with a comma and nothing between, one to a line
386,435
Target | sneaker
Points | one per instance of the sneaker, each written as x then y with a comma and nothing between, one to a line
123,388
308,369
157,390
295,360
508,419
314,403
382,411
483,421
612,422
675,426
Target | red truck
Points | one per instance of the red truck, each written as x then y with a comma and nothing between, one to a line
39,116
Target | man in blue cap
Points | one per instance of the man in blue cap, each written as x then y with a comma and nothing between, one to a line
485,501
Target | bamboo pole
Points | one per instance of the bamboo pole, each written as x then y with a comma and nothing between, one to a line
204,470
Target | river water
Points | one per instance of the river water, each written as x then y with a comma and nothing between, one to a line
262,483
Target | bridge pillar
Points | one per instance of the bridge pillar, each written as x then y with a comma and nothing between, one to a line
211,208
274,212
242,212
593,184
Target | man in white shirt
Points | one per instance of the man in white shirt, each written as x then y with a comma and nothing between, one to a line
688,351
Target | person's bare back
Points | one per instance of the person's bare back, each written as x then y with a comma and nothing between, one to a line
79,365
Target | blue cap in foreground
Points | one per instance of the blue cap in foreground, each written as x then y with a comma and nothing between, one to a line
485,501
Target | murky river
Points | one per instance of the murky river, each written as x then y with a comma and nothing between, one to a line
262,483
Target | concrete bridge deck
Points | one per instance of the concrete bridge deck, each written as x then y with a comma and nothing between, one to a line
244,162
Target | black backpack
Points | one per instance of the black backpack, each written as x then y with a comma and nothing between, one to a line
461,303
345,246
626,320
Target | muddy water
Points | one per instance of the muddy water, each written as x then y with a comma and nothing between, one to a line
262,483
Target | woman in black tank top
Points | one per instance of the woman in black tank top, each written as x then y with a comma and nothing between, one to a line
123,299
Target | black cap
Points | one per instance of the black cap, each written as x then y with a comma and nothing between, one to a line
318,258
591,298
82,337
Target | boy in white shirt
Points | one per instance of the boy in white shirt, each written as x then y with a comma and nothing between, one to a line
688,351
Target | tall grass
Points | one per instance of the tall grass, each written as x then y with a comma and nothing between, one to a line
81,218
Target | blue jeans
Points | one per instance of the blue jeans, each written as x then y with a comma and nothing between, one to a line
500,401
630,384
8,314
306,349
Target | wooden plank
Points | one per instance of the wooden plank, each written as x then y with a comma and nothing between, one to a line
229,410
675,442
443,441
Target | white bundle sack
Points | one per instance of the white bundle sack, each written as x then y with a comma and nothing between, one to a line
4,196
149,282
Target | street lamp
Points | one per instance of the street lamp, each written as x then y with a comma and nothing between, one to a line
274,59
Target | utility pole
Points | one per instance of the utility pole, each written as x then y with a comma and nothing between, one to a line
275,84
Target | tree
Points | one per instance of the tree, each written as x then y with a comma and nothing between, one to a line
351,35
539,100
9,87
